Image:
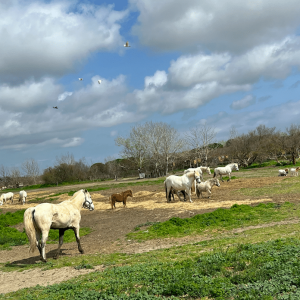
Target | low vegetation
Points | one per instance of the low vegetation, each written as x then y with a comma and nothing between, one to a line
236,216
261,271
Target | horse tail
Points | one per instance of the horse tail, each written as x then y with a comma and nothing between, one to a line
29,227
215,173
166,189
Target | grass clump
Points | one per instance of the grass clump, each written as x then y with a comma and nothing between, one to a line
269,270
236,216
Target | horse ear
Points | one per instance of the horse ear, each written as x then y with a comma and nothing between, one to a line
85,191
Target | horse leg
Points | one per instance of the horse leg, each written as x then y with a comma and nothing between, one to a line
61,240
76,232
229,175
177,193
209,193
221,177
38,242
45,234
189,194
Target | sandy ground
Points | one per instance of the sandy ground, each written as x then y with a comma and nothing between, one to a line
111,226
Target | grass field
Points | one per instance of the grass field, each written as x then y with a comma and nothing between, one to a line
245,252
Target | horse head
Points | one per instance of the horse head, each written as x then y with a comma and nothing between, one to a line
88,202
208,171
217,183
236,166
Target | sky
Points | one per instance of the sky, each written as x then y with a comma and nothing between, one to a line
223,63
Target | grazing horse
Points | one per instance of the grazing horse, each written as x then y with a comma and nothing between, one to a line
283,172
206,186
179,183
200,170
22,197
7,196
226,170
40,219
294,171
122,197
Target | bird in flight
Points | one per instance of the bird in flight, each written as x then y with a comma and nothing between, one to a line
99,81
55,107
127,44
80,79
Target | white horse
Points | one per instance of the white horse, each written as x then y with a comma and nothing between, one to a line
22,197
179,183
206,186
294,171
200,170
226,170
283,172
7,196
40,219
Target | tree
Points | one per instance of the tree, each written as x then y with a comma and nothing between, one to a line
135,146
293,142
31,169
4,175
200,138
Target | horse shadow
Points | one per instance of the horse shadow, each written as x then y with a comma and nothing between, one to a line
33,260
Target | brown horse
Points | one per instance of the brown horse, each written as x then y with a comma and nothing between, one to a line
122,197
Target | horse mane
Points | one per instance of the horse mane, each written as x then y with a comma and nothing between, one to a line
190,174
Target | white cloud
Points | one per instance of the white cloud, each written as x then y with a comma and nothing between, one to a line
231,25
49,39
243,103
76,141
64,95
194,80
27,116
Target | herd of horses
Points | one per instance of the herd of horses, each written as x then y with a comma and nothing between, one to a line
66,215
192,181
10,196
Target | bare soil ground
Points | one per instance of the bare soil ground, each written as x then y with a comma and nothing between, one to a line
111,226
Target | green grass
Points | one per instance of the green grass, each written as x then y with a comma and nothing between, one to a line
288,185
262,271
236,216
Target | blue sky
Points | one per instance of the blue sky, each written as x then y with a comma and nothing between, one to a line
226,64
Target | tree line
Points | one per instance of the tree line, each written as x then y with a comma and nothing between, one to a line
157,149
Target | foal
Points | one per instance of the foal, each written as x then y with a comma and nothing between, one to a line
122,197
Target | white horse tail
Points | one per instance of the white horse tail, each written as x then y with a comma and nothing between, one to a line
29,228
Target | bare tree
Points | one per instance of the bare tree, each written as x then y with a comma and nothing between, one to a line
4,175
31,169
199,139
135,146
293,142
15,176
67,159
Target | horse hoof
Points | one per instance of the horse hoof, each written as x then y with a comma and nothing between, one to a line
81,251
